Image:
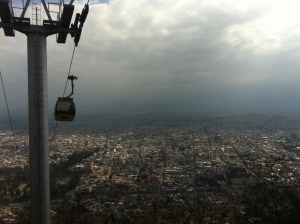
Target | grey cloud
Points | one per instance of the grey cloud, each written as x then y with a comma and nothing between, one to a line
181,53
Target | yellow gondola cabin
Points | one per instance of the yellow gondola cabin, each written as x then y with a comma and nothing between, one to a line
64,109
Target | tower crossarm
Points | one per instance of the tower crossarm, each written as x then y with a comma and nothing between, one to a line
61,27
48,31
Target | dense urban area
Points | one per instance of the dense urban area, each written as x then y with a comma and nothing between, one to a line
160,168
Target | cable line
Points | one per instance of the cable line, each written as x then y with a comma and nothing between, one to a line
65,87
12,129
69,70
67,100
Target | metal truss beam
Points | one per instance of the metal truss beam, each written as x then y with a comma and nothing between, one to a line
25,8
46,10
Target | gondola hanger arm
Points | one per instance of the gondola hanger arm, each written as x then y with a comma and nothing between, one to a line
72,78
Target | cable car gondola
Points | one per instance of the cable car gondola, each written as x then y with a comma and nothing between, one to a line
65,107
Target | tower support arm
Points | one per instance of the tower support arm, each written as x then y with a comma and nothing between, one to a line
5,11
46,10
25,9
33,28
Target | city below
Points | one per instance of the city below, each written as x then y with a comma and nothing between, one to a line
159,168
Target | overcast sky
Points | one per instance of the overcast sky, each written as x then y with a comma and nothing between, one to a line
231,55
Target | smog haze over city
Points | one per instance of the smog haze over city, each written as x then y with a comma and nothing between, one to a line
211,56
